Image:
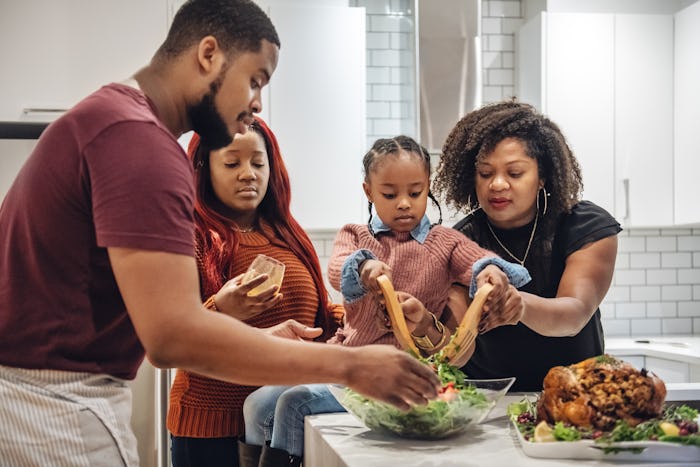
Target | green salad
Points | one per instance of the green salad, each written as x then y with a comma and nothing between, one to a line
677,424
457,406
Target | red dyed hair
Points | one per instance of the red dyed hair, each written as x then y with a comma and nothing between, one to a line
218,237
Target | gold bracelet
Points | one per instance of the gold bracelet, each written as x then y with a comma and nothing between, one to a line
424,343
211,304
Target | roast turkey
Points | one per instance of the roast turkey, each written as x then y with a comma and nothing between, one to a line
598,391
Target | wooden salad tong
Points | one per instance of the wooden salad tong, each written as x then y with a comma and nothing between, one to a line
462,338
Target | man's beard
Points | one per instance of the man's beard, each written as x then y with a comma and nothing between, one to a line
207,121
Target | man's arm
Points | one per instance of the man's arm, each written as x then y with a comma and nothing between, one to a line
161,293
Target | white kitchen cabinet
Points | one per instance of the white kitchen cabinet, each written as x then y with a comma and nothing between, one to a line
607,80
687,115
54,53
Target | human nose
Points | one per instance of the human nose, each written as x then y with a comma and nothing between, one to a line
499,183
404,202
256,104
247,172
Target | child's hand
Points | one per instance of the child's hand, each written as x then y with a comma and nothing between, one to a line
369,271
510,312
493,275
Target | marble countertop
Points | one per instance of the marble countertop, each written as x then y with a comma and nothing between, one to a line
680,348
340,440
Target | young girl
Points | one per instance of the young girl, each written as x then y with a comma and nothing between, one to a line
423,260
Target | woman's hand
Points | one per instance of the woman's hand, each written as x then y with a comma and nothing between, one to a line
418,319
508,312
369,271
233,299
493,275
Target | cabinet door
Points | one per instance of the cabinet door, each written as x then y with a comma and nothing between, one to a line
578,89
687,115
644,119
56,52
317,110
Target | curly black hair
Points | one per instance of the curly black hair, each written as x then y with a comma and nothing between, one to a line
238,26
476,135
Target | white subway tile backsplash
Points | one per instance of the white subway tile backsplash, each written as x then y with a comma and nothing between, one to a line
646,293
696,293
616,327
378,40
492,94
491,25
644,232
689,276
677,232
387,127
386,92
676,292
503,42
378,75
689,309
511,25
676,260
492,59
645,260
687,243
661,310
506,9
508,59
677,326
501,77
629,277
645,327
378,109
628,244
661,244
402,75
388,23
696,259
622,261
630,310
661,276
617,294
384,57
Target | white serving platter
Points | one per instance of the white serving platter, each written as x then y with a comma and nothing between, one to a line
627,451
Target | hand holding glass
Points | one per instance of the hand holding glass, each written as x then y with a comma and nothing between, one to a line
264,265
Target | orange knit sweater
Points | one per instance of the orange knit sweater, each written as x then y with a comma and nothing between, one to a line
201,407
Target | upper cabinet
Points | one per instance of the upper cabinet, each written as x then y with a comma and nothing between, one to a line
56,52
607,80
687,115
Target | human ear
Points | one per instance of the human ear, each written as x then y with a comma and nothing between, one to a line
209,55
367,190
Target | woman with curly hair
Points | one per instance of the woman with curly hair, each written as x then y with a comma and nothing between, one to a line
242,210
511,169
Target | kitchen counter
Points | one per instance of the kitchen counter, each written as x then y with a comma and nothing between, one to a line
340,440
679,348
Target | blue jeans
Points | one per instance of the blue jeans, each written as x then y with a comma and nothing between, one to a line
276,414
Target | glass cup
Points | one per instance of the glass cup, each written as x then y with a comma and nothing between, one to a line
264,265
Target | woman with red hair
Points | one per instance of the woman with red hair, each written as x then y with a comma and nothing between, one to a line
241,210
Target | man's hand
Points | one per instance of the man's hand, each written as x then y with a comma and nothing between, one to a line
390,375
291,329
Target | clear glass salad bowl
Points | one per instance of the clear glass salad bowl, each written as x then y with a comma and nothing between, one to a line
452,413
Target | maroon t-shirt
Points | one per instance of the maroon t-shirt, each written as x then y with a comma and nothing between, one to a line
106,174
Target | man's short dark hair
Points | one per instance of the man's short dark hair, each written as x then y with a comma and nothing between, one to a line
238,25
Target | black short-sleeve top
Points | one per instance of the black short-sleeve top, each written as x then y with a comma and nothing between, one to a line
517,350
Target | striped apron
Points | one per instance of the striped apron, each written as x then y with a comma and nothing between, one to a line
62,418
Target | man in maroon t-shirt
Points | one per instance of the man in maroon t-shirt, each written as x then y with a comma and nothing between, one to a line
97,262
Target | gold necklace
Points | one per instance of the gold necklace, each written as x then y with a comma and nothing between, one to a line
529,243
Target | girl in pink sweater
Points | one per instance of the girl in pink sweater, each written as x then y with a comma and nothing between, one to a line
423,260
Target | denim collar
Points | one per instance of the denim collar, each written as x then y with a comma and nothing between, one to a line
419,233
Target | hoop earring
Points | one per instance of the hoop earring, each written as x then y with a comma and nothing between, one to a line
544,195
437,205
369,221
469,204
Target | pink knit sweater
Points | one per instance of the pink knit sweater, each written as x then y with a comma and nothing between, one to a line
426,271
